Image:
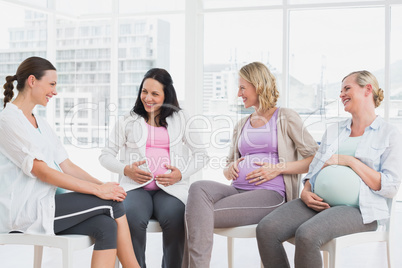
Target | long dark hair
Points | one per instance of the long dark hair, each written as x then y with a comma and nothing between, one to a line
35,66
170,104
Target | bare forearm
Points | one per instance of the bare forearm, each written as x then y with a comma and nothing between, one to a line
63,180
70,168
295,167
371,177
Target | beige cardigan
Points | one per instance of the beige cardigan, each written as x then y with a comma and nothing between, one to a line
293,139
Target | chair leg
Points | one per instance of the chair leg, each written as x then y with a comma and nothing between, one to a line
38,253
333,258
117,263
389,254
326,259
67,258
230,252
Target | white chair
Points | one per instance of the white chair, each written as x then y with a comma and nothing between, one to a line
332,248
246,231
67,243
153,227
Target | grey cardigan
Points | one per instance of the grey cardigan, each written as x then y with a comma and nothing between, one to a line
293,139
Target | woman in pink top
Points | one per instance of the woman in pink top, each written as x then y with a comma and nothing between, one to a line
155,164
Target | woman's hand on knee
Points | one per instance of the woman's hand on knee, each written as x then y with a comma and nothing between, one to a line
111,191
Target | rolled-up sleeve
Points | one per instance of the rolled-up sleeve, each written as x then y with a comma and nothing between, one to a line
17,146
391,168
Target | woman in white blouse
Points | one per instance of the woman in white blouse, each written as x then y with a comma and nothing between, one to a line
154,145
33,163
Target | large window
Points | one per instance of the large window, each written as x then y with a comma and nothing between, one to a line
323,1
80,8
23,34
395,83
138,6
321,54
239,3
146,42
324,41
102,52
232,39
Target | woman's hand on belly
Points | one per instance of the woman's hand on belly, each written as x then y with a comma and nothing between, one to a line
171,178
233,170
338,159
266,172
136,174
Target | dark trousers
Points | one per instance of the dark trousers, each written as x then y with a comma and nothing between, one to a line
141,206
85,214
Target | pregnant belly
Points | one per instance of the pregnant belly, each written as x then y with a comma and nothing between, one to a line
247,165
338,185
157,158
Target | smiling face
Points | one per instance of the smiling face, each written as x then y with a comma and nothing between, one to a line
152,95
248,93
45,88
352,94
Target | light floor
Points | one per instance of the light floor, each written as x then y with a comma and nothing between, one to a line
371,255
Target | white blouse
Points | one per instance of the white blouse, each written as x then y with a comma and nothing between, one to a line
127,141
26,203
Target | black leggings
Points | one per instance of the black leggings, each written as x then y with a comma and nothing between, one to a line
85,214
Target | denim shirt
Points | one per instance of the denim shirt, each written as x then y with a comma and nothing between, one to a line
380,148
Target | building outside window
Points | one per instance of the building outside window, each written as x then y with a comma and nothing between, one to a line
102,52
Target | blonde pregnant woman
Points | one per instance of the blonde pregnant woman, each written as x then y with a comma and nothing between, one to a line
353,176
262,158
